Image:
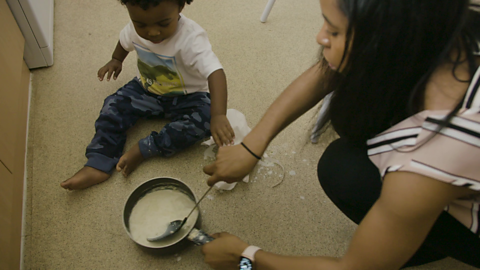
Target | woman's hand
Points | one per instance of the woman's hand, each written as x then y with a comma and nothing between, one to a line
222,131
232,165
224,252
113,67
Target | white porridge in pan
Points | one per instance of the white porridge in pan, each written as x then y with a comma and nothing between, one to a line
152,214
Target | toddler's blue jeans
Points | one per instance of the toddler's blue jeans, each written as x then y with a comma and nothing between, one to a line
189,115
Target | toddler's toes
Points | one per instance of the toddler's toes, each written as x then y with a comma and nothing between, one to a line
126,171
121,164
66,184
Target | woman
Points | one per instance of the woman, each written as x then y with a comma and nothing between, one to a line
405,78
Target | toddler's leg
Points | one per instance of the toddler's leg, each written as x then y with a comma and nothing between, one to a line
190,117
120,112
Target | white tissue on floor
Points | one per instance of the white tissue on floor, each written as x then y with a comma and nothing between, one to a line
224,185
209,152
240,127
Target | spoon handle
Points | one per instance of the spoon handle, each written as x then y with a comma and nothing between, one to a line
199,237
199,202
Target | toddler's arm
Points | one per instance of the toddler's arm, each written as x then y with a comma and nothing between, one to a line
222,132
114,66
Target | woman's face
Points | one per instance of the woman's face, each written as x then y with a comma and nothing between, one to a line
332,36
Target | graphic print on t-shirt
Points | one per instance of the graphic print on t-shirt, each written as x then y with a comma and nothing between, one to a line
159,74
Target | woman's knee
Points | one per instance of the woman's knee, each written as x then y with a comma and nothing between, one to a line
348,177
343,160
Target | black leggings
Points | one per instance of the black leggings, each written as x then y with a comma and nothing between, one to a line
353,184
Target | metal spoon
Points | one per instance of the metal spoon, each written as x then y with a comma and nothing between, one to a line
176,225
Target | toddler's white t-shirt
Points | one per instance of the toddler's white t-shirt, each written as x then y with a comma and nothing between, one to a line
178,65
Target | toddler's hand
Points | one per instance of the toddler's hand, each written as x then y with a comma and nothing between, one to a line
113,67
222,132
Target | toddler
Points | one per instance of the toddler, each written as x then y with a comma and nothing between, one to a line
180,78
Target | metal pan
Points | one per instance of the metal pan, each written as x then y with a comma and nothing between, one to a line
194,235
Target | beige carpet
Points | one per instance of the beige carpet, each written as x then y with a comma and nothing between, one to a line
83,230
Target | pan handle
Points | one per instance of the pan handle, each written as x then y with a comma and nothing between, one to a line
199,237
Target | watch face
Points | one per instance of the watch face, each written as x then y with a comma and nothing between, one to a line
245,264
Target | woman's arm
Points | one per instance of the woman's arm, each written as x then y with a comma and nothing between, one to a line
399,221
300,96
388,236
233,163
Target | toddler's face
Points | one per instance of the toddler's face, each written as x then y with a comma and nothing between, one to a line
156,23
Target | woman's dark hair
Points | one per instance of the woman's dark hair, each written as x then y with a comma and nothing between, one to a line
394,48
145,4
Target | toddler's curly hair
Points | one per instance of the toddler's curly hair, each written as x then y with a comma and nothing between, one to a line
145,4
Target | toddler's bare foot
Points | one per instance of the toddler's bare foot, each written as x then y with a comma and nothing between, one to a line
85,178
130,160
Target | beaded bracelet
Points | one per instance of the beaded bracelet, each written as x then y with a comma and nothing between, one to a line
250,151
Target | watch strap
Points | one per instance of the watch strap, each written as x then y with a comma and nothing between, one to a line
249,253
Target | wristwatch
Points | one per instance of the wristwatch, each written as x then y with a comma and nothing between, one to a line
248,258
